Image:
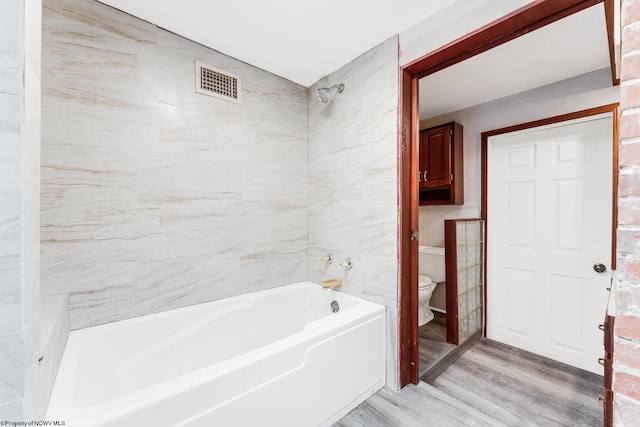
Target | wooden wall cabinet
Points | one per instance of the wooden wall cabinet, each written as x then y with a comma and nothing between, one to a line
441,169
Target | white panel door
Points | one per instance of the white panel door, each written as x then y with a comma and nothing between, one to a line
549,222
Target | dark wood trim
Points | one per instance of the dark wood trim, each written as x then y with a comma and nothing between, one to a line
522,21
614,192
609,345
610,108
609,12
511,26
451,274
408,248
483,215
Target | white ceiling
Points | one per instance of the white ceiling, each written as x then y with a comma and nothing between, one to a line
301,40
304,41
572,46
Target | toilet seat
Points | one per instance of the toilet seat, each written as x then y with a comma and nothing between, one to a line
425,283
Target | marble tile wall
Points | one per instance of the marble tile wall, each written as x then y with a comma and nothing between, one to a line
19,201
353,183
11,197
153,196
52,322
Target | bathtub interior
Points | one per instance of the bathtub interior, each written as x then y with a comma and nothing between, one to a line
129,356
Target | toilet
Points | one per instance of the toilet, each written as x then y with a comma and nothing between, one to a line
431,271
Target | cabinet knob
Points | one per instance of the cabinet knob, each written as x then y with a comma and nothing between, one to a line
425,176
419,176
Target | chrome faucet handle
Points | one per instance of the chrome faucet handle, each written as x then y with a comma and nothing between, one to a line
327,258
347,263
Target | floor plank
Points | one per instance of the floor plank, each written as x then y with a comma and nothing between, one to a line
524,388
432,343
416,406
492,384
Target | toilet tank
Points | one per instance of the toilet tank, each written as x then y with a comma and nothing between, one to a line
431,263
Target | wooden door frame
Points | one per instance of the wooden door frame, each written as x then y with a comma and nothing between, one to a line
484,164
522,21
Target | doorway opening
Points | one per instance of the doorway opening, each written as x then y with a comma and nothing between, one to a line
516,24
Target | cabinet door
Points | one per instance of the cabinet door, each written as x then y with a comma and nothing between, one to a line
435,157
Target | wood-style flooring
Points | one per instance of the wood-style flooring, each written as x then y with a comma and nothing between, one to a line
432,343
490,385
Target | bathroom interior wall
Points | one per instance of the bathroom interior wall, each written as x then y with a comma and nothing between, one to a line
578,93
353,183
585,91
25,377
14,198
153,196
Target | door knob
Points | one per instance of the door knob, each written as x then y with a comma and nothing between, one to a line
599,268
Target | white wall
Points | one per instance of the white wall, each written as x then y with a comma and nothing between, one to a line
353,183
153,196
578,93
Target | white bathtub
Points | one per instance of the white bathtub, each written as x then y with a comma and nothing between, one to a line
272,358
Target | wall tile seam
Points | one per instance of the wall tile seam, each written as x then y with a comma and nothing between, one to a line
626,372
628,141
630,82
626,269
630,111
621,280
627,254
20,332
628,341
627,54
628,313
633,286
19,126
630,24
627,399
629,170
627,16
11,402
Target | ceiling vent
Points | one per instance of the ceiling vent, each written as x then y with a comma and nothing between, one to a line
217,83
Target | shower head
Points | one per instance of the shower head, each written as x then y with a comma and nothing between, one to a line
325,94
